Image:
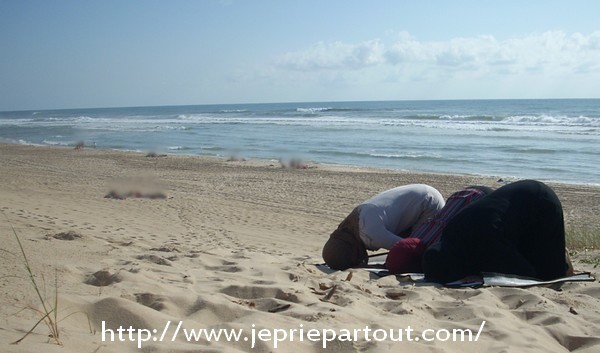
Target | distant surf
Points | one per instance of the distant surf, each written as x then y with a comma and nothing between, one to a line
556,140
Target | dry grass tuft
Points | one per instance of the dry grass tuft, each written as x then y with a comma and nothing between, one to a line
49,308
583,238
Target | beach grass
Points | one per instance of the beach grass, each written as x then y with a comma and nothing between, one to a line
583,238
49,307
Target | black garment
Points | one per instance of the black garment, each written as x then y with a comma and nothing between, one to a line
517,229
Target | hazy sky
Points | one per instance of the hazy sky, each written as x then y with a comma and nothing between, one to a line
69,54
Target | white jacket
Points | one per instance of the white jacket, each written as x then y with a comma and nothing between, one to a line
385,215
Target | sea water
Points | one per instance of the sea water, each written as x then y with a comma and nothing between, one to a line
551,140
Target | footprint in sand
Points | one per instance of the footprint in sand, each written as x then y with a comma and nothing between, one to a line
102,278
70,235
165,248
258,292
150,300
402,294
230,269
155,259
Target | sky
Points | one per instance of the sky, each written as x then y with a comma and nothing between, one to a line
85,54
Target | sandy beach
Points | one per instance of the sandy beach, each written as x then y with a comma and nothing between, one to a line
234,246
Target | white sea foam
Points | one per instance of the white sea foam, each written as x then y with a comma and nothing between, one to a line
313,110
553,120
57,143
406,155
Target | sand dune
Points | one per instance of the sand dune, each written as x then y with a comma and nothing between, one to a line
234,247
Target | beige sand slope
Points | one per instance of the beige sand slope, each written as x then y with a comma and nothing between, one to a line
234,246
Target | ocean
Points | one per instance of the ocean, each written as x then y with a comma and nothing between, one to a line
549,140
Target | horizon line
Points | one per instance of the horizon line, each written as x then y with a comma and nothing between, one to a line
294,102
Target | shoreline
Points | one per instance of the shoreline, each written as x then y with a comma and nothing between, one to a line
334,166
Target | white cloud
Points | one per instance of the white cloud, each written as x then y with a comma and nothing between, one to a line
553,52
337,55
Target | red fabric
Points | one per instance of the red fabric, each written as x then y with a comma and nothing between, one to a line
405,256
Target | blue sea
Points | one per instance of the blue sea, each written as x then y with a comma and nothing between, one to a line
550,140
